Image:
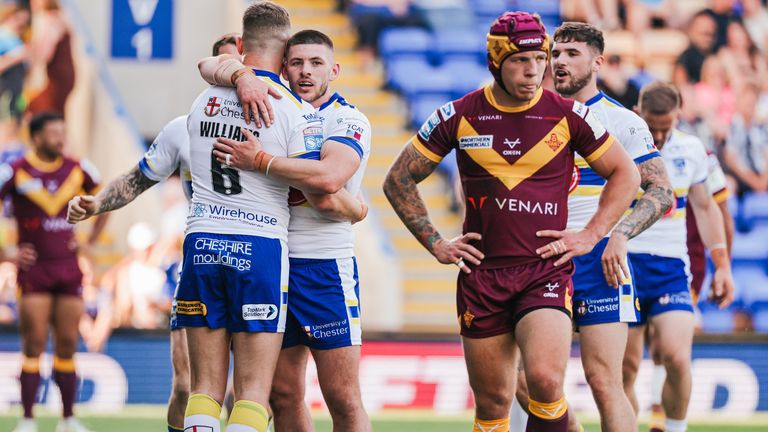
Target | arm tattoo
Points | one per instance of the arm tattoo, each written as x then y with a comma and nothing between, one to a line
657,199
406,172
123,190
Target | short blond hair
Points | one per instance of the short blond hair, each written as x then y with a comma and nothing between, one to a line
264,22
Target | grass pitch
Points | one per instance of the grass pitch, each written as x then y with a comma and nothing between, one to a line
151,419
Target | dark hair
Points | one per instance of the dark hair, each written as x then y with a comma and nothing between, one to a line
38,122
572,31
230,38
309,37
659,98
263,19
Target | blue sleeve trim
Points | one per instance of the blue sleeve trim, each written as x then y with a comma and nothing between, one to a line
147,171
314,155
350,142
649,156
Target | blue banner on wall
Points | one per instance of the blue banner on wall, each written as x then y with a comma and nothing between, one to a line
142,29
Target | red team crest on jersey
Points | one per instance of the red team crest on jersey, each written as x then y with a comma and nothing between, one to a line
554,142
213,106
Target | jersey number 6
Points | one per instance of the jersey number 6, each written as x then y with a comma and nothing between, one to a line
226,180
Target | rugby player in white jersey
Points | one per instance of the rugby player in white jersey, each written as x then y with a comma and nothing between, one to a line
604,297
168,153
660,259
324,307
234,282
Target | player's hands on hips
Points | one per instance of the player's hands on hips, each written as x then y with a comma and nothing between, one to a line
567,244
242,154
81,208
721,292
254,95
26,256
614,260
458,250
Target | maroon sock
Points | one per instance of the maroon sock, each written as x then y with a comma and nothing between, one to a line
67,382
30,381
538,424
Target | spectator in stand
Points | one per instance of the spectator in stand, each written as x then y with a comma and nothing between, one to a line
745,154
602,13
756,21
13,68
371,17
614,81
722,11
701,31
741,57
714,100
52,49
96,323
645,14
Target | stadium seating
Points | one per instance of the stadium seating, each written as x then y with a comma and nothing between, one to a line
405,42
714,320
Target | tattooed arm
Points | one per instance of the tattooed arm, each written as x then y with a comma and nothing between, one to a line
115,195
657,199
409,169
650,207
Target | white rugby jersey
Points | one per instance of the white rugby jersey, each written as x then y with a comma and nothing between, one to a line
310,235
229,201
169,151
586,185
686,161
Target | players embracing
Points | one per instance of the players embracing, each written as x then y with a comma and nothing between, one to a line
515,285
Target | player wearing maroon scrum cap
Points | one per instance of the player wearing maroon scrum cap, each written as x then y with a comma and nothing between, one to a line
515,144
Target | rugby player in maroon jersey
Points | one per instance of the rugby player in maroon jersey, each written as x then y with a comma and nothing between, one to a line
40,185
515,144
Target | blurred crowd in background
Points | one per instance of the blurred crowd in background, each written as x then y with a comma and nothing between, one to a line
429,52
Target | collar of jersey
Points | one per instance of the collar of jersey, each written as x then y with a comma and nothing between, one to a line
41,165
492,100
596,98
334,98
274,77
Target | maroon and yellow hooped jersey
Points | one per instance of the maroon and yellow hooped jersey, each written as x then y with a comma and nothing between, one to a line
515,165
40,192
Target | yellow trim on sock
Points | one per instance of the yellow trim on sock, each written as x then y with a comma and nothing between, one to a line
250,414
63,365
548,411
657,420
30,364
498,425
202,404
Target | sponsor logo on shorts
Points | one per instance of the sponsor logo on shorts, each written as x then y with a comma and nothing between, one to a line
426,129
476,142
259,312
184,307
675,299
227,249
601,305
224,213
551,287
327,330
467,317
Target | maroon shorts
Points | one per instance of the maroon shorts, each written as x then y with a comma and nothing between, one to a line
61,277
490,302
